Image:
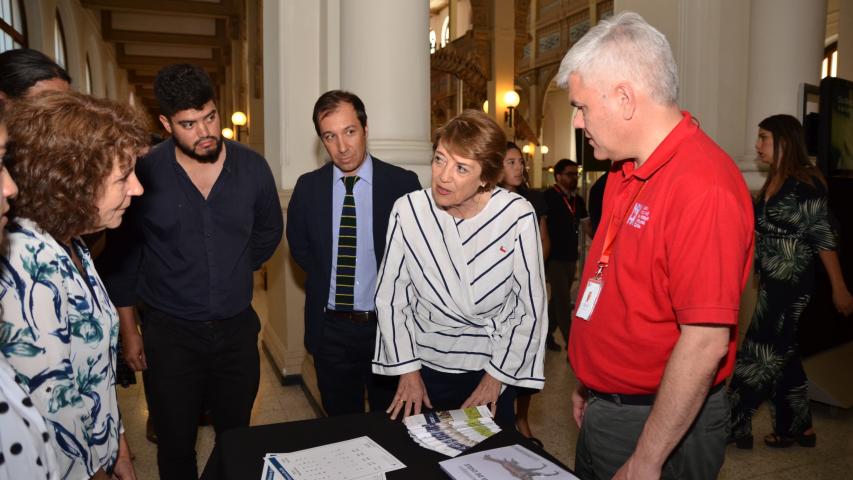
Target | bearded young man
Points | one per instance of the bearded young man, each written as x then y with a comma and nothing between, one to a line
209,218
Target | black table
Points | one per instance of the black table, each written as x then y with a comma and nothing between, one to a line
239,453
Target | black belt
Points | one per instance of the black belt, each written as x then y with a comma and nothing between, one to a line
638,400
352,316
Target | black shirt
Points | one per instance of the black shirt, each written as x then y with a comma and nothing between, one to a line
563,219
189,257
537,199
596,201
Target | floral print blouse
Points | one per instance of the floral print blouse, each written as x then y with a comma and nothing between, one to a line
59,331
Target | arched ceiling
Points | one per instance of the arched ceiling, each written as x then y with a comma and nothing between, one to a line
148,35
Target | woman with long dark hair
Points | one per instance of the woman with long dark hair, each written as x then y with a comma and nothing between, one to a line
792,230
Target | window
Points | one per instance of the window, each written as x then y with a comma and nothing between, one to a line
445,32
432,41
12,25
60,52
829,66
88,77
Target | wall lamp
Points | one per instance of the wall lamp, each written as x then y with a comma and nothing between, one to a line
228,133
511,100
239,119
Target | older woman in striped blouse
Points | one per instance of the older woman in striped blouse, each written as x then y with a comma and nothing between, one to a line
460,295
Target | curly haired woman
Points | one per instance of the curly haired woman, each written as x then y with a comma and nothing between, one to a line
73,157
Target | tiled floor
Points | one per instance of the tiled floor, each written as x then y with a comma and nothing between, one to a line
551,421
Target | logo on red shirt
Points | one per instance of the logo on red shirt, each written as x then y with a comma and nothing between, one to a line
639,215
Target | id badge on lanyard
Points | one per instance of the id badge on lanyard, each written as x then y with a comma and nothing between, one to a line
590,295
595,284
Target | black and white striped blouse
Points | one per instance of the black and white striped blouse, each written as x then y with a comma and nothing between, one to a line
463,295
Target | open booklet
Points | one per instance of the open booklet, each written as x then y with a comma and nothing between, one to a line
452,432
501,463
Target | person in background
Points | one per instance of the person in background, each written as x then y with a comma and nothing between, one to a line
565,216
653,337
25,72
792,231
514,179
73,158
339,245
22,428
460,297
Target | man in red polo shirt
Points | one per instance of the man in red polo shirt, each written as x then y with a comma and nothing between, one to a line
653,337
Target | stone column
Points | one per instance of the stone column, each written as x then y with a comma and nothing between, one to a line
503,60
291,82
384,59
785,50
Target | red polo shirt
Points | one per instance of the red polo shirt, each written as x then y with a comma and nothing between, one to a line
681,256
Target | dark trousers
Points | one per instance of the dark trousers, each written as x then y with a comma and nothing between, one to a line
194,364
560,274
448,391
789,395
343,364
768,365
610,432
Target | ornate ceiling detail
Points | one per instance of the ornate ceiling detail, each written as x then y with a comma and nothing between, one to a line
463,66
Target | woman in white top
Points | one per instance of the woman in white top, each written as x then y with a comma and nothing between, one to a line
460,294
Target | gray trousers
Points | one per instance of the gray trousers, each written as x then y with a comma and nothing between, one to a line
610,432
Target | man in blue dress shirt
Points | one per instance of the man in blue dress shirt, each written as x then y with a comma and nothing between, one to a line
185,255
338,212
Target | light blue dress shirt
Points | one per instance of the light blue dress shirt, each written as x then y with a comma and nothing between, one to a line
365,257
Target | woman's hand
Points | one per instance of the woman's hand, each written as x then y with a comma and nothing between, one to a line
411,394
843,301
486,393
123,469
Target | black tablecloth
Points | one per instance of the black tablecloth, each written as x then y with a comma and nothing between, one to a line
239,453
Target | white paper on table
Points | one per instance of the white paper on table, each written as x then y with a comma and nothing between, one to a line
273,470
354,459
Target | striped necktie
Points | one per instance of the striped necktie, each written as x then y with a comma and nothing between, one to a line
345,272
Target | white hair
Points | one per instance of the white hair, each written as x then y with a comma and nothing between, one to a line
624,47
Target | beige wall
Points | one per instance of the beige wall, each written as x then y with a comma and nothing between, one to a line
557,131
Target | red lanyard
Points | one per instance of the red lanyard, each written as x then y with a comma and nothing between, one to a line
565,200
613,229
